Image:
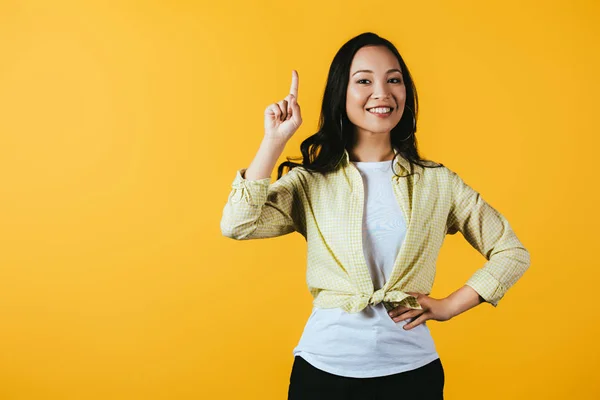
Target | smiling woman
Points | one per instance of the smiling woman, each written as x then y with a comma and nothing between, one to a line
374,215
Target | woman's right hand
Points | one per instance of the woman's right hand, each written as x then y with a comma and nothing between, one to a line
282,119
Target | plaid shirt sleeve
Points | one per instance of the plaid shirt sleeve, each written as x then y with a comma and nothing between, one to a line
490,233
257,209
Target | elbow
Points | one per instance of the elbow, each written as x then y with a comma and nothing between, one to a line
523,255
231,232
521,260
233,235
519,255
527,259
234,232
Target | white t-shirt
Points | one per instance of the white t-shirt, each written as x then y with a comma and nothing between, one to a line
369,343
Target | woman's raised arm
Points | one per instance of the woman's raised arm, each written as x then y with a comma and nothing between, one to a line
255,207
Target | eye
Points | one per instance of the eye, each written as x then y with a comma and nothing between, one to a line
393,79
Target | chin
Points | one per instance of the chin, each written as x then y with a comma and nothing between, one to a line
379,130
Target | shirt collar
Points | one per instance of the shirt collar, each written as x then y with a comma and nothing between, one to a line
400,161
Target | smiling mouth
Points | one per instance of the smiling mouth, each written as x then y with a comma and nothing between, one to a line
380,113
372,108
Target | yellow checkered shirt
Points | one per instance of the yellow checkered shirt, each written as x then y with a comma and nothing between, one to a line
327,209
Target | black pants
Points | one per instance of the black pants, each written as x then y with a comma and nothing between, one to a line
310,383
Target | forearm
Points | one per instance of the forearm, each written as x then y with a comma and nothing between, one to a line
264,161
464,299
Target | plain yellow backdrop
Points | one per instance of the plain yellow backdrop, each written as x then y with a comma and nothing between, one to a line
122,125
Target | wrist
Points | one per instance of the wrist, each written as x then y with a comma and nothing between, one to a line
462,300
274,141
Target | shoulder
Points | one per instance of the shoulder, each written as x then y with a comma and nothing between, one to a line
294,178
300,175
443,178
435,171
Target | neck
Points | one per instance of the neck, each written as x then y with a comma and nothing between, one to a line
374,152
371,147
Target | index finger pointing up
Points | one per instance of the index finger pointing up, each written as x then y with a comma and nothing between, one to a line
294,87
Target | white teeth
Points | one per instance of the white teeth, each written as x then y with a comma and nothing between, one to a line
380,110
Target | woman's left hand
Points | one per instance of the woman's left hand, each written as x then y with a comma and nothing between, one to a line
436,309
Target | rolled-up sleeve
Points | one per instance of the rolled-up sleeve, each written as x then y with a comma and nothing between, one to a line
490,233
257,209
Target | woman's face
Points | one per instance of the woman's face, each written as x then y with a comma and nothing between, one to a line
383,84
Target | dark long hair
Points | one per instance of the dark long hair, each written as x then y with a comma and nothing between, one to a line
323,151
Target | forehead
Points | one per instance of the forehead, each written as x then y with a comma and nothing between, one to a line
375,58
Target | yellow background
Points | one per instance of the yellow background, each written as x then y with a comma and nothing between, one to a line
122,125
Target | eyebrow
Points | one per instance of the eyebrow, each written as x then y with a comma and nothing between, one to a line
368,70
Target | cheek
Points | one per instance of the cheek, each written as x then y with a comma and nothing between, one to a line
401,94
355,98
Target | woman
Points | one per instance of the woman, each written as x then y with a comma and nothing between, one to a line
374,215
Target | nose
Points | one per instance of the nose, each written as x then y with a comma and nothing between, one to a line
381,96
381,91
